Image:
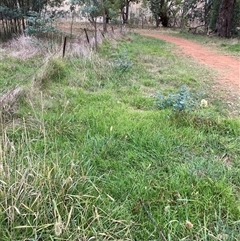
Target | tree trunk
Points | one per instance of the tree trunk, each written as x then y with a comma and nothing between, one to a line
125,11
104,13
157,19
224,20
104,21
95,33
164,19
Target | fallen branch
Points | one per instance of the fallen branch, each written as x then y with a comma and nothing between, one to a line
194,29
152,220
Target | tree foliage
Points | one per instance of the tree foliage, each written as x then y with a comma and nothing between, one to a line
124,8
179,12
33,16
105,8
16,16
223,16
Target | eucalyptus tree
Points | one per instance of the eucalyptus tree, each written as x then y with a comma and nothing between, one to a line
124,8
93,9
198,11
163,10
11,16
180,12
17,15
225,18
220,16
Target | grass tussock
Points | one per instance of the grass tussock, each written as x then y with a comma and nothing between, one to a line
89,155
53,71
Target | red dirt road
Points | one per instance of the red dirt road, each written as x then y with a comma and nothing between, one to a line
228,67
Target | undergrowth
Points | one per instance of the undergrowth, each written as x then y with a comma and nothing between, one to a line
89,156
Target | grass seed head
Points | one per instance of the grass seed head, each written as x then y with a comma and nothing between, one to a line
188,225
204,103
58,228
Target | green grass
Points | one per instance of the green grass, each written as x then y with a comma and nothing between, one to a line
234,47
16,72
89,147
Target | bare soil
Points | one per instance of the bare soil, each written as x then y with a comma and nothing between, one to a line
227,83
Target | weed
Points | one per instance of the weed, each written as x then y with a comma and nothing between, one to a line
122,62
181,101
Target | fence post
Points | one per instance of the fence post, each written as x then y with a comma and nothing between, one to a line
64,46
101,33
85,30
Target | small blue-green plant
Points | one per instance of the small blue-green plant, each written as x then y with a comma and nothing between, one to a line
122,62
181,101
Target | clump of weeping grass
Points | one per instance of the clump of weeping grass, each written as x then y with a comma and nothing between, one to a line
52,71
48,193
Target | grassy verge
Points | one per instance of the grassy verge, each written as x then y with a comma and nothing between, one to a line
89,156
15,72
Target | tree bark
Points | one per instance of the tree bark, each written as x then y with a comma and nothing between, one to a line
164,19
164,13
225,17
157,19
104,12
125,11
104,21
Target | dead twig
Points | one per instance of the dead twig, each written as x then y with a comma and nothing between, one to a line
152,220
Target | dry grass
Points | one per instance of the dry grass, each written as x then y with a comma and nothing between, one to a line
9,104
23,47
2,52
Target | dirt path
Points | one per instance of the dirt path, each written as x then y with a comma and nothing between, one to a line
227,84
228,67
